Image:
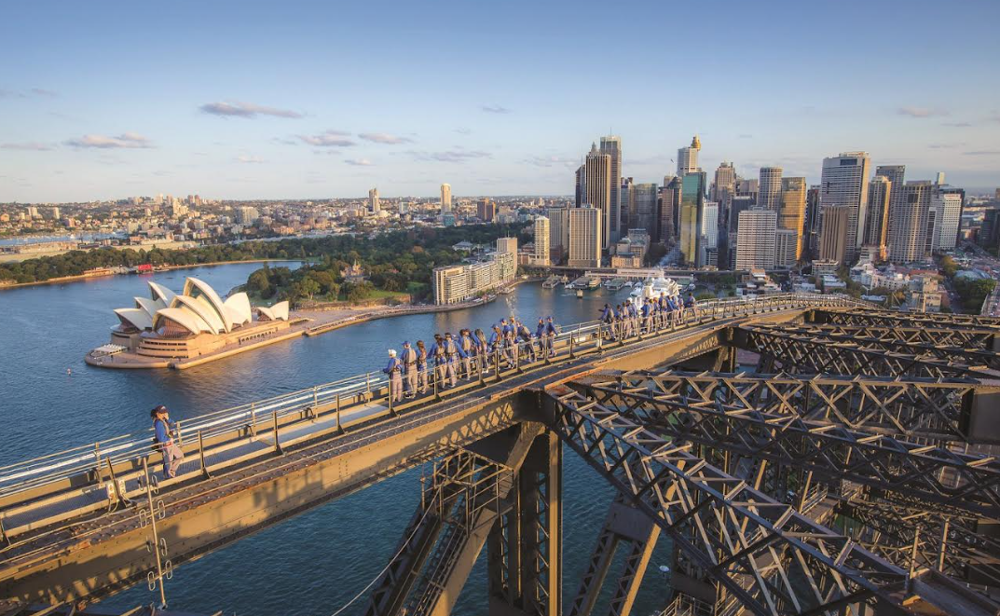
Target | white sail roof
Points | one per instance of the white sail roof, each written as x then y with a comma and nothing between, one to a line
136,317
277,312
198,309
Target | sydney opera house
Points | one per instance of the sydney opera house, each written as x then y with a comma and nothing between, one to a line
167,325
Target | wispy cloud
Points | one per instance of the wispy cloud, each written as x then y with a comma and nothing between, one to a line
746,136
384,138
44,92
4,93
450,156
982,153
550,161
495,109
943,146
957,124
359,162
245,158
29,145
246,110
328,139
463,131
921,112
125,140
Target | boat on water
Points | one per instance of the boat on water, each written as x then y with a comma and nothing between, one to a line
652,288
579,293
614,284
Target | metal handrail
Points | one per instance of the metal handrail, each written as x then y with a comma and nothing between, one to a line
61,465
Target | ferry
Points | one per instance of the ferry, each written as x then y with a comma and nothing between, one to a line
652,288
615,284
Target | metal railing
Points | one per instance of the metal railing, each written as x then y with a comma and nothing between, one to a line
84,464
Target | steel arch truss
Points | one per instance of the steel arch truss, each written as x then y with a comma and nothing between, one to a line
921,346
885,318
805,353
941,335
752,544
763,417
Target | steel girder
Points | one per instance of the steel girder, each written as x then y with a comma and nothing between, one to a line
729,529
939,335
802,353
887,318
728,412
937,351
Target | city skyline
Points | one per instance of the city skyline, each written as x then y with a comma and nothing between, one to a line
257,103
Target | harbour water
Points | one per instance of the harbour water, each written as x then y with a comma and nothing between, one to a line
314,563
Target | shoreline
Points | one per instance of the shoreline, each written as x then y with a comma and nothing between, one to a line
81,277
302,329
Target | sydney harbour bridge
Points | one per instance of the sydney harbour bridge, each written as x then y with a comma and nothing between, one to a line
851,470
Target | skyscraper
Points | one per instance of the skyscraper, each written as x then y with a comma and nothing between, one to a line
445,199
643,202
908,217
581,185
373,204
769,189
710,224
833,232
669,201
755,239
812,221
541,252
747,188
687,158
725,184
845,182
627,205
585,226
692,210
877,220
612,146
486,209
792,210
558,230
598,185
950,198
785,244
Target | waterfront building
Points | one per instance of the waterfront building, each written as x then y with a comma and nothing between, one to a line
585,228
792,211
834,233
769,188
844,182
755,239
612,146
540,255
195,322
687,158
373,203
445,199
597,181
454,284
558,231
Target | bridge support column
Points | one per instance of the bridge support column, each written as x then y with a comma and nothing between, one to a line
525,559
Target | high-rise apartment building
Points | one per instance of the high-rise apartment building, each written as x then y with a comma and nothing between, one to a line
445,199
558,230
541,251
877,219
769,188
951,202
598,188
585,242
845,183
755,239
507,245
687,158
691,212
908,222
792,211
373,203
612,146
834,232
786,242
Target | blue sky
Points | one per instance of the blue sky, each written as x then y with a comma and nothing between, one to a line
327,99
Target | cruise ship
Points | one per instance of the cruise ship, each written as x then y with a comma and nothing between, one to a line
652,288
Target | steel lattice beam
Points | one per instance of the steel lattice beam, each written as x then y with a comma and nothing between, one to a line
802,353
936,351
728,412
725,526
934,334
886,318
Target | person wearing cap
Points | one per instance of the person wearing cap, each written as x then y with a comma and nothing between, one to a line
437,353
162,428
394,369
550,336
409,359
452,352
468,347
